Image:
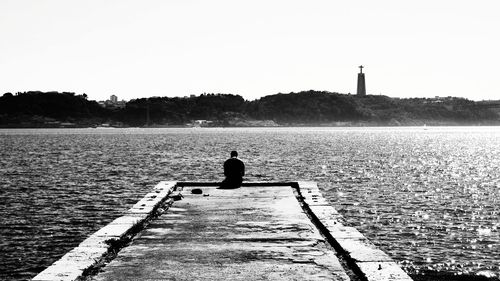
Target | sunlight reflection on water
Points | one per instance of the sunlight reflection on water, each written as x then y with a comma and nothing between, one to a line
429,198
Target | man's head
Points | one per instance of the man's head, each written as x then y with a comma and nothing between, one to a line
234,153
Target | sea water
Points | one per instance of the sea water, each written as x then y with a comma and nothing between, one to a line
429,197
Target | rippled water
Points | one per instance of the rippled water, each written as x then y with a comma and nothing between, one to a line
429,198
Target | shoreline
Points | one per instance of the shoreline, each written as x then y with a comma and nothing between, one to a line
424,126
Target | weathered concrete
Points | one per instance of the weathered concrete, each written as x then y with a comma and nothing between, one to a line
257,232
251,233
370,262
97,246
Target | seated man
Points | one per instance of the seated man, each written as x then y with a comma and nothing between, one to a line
234,170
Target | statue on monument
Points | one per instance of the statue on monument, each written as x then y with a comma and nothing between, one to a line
361,82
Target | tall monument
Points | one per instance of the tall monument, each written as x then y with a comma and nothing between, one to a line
361,82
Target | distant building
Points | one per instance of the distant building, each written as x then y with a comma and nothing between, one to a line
361,82
201,123
113,102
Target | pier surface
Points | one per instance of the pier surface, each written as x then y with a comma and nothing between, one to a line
257,232
250,233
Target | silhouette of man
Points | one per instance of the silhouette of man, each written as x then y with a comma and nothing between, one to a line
234,170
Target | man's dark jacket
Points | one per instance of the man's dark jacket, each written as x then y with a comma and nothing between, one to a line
234,170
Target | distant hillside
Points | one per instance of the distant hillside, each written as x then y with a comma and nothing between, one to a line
311,108
431,111
47,109
179,111
319,108
306,108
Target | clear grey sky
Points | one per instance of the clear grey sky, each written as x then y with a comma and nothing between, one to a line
252,48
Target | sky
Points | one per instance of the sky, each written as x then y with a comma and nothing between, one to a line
134,49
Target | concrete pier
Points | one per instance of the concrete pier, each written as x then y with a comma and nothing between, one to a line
261,231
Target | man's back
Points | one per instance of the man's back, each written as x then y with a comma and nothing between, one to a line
234,168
